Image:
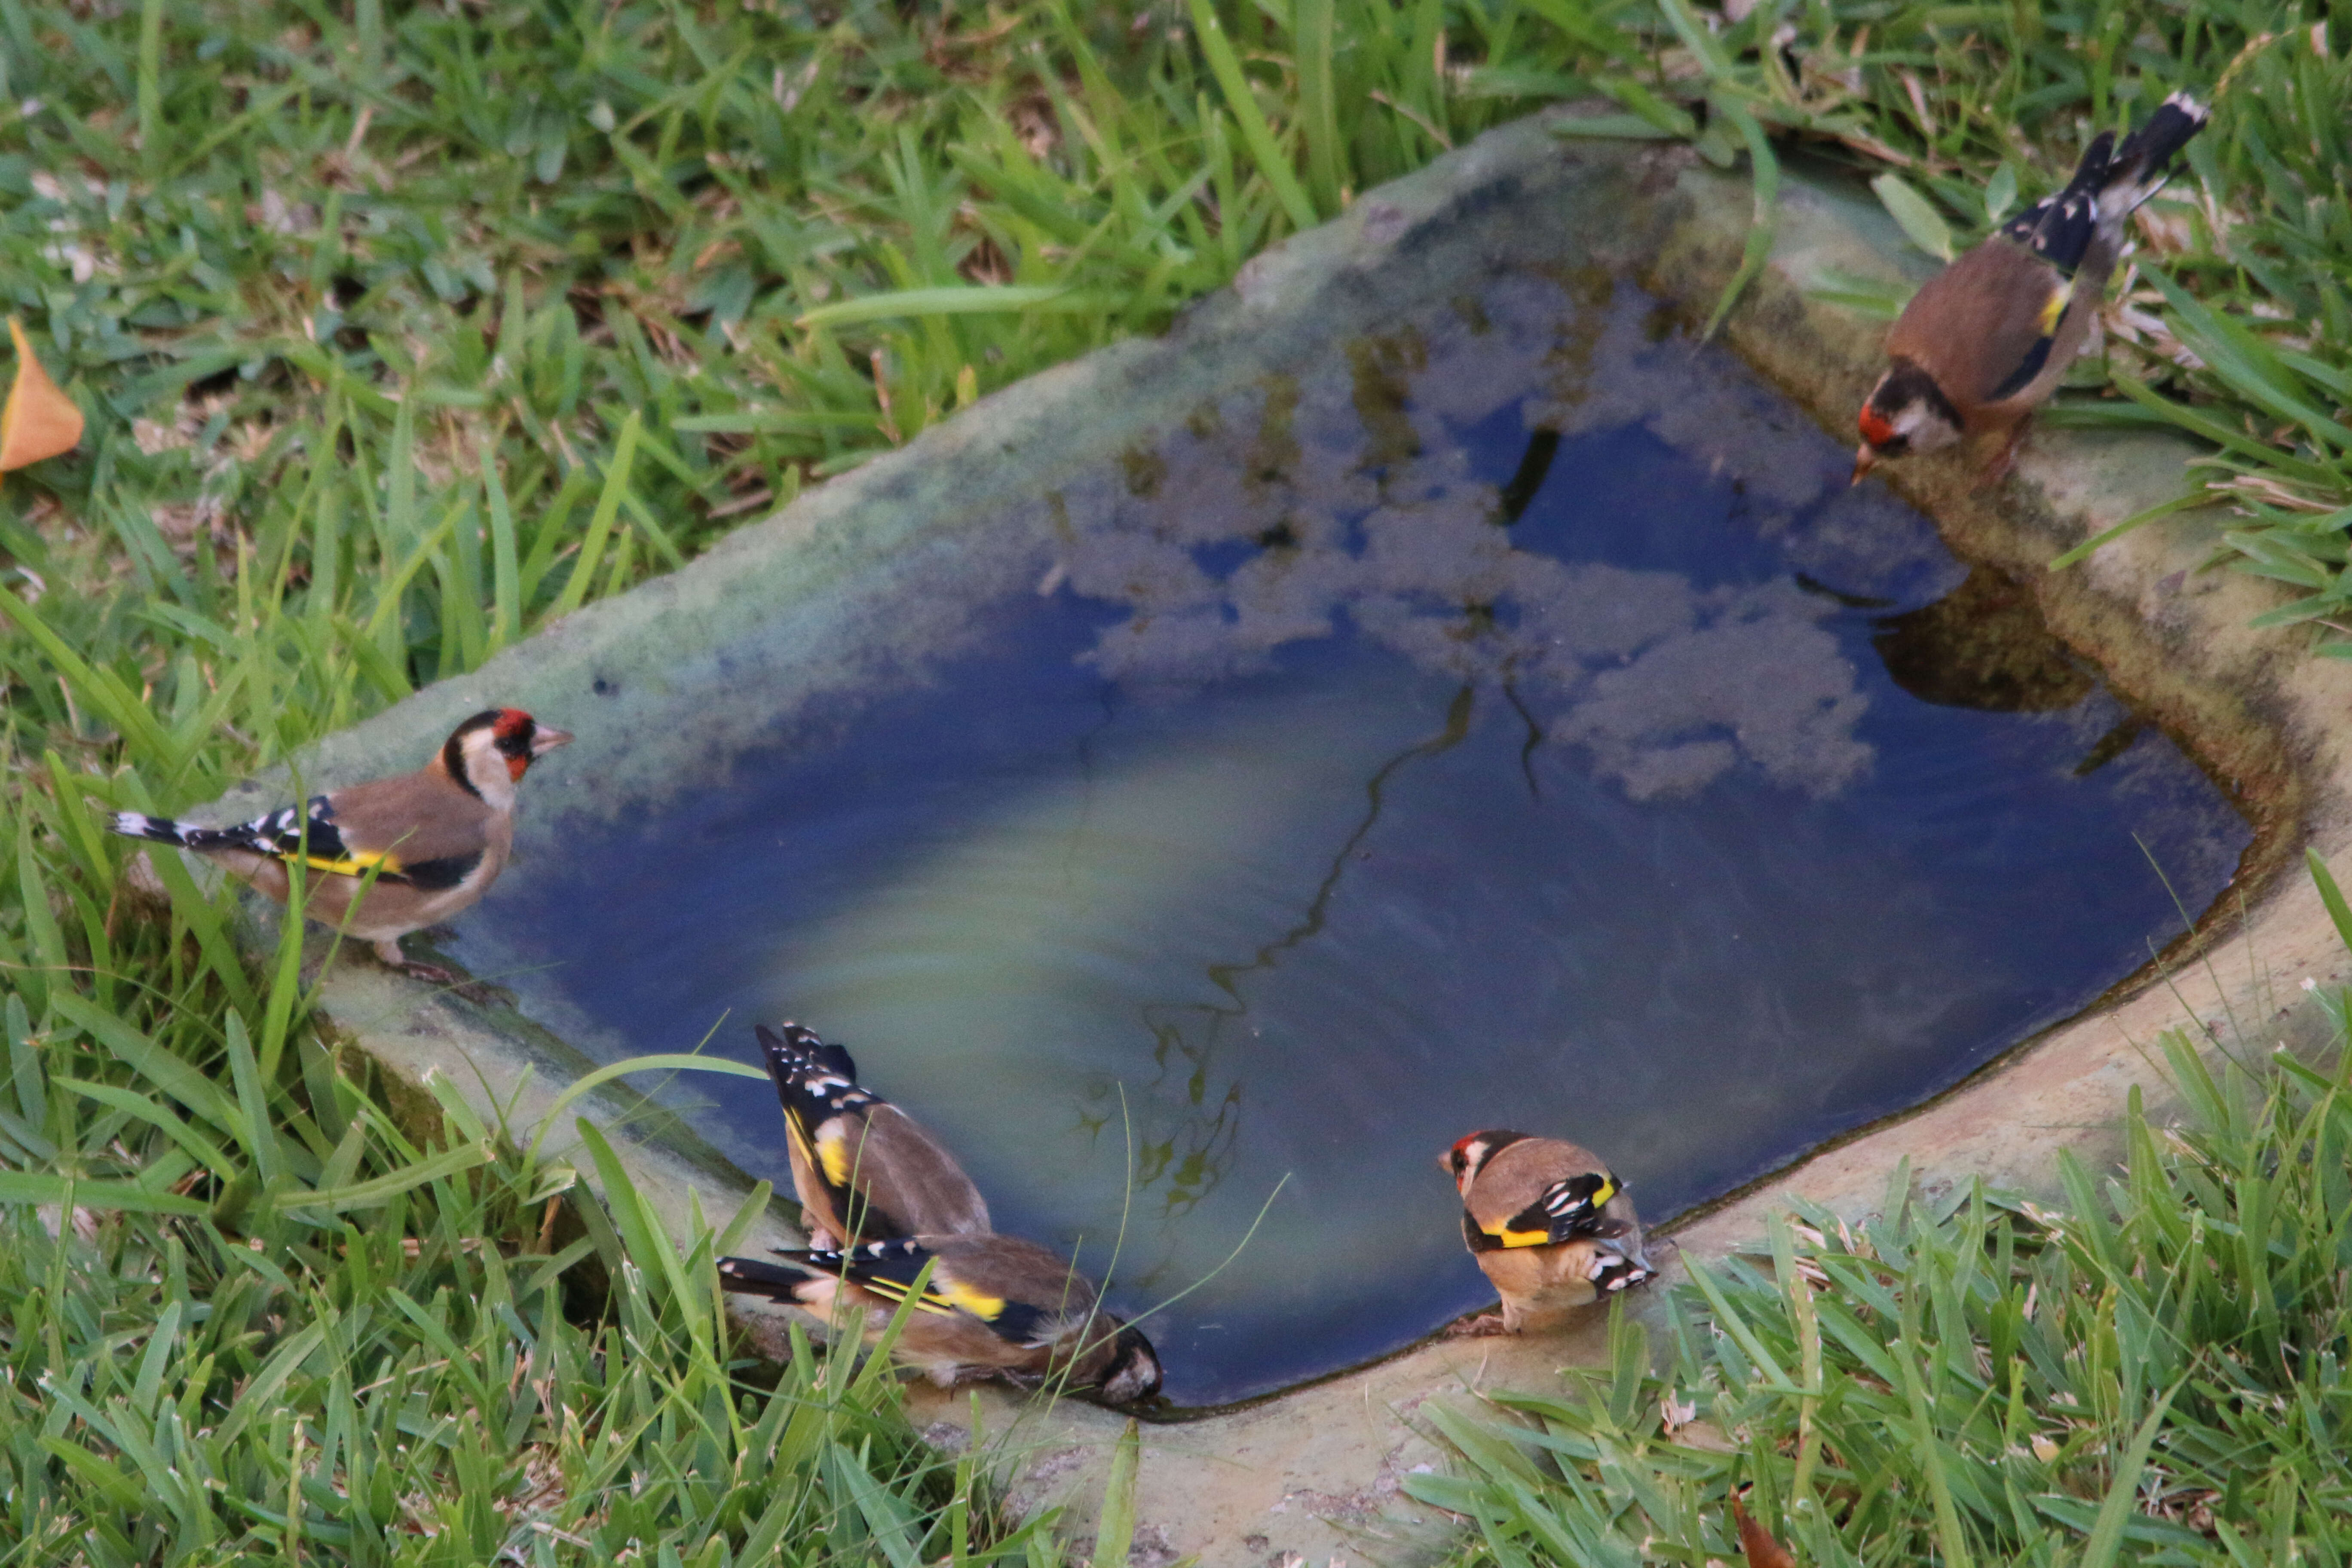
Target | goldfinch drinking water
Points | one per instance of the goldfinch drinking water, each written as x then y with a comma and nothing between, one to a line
435,839
1547,1222
994,1306
1985,341
864,1169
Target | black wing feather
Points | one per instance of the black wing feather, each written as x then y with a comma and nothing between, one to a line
890,1269
291,834
815,1082
2027,368
435,876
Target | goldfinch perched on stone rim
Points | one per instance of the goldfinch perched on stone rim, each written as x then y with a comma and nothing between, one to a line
864,1169
1547,1222
1984,342
435,839
994,1306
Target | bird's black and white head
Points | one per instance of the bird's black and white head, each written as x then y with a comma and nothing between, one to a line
1907,411
489,753
1133,1371
1468,1155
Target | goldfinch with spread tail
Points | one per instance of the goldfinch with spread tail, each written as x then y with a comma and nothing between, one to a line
1984,342
1547,1222
435,839
864,1169
994,1306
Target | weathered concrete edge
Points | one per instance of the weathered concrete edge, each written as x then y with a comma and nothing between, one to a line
1318,1471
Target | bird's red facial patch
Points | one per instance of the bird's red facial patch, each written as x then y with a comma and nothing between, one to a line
514,728
1875,426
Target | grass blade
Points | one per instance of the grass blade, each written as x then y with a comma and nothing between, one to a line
1114,1534
600,524
1243,104
1921,223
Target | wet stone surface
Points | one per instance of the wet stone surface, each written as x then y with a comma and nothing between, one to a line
1511,718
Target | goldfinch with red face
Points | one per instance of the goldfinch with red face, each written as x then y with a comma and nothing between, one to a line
435,839
864,1169
994,1306
1985,341
1547,1222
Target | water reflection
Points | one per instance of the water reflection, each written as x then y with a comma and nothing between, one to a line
1372,521
1983,644
1193,1157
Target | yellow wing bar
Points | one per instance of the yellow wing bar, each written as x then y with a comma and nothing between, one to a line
349,863
943,1297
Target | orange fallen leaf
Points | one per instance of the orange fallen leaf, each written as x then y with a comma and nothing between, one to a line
1762,1551
37,421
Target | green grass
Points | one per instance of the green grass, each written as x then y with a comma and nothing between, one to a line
277,1325
2153,1371
404,328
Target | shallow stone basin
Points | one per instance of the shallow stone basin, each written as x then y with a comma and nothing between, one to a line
1317,1472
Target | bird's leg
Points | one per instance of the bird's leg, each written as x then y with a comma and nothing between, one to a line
2004,460
953,1377
388,953
1478,1328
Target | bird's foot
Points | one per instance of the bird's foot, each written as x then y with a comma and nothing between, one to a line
480,992
2005,459
1481,1328
474,990
954,1377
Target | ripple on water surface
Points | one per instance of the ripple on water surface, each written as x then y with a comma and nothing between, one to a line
1513,720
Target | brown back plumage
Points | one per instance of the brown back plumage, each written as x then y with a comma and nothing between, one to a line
423,815
1999,289
863,1169
1515,1175
927,1190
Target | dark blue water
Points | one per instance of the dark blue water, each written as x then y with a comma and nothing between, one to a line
1513,723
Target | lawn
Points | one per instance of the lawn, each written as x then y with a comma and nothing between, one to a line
404,330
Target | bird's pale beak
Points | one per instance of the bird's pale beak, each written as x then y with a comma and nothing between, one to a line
1864,460
545,740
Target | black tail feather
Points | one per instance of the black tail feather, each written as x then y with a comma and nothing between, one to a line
796,1054
1621,1273
2109,182
2146,151
751,1277
163,830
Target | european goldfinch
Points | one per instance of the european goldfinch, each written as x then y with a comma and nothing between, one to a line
435,839
864,1169
1547,1222
994,1306
1985,341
